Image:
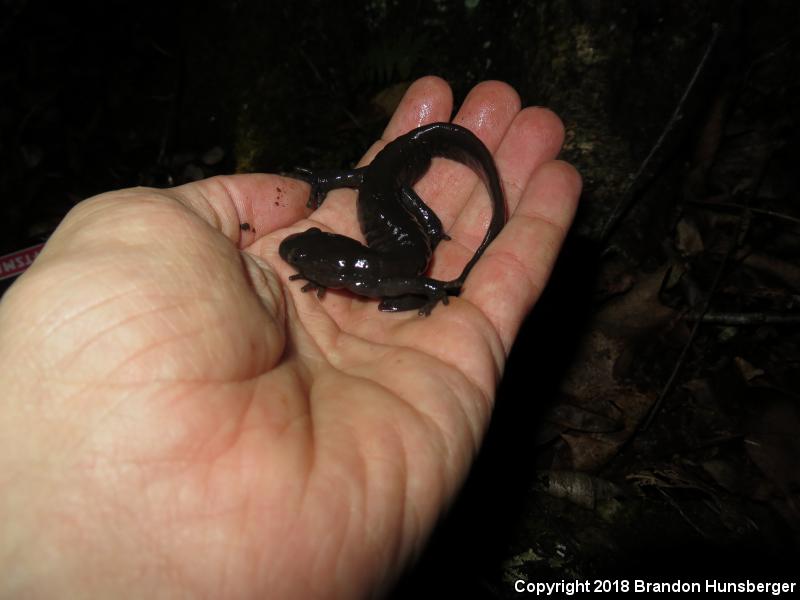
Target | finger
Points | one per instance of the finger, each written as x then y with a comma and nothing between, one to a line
427,100
535,137
245,207
487,111
510,277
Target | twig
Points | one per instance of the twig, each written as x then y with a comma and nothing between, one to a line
675,505
318,76
695,328
757,211
746,318
743,220
626,201
172,122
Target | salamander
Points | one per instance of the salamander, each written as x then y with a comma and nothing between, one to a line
401,231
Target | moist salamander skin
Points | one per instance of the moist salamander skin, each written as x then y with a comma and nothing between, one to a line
400,229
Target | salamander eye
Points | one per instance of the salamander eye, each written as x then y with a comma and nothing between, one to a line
291,249
296,255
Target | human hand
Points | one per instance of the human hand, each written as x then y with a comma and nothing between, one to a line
178,418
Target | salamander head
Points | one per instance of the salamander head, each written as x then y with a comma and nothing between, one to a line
328,259
295,248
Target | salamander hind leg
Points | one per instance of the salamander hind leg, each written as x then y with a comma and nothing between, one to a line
402,303
412,293
421,304
424,215
425,309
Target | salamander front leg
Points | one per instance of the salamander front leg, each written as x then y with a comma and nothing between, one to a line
309,286
322,182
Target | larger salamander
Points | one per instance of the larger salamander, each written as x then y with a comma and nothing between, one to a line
400,229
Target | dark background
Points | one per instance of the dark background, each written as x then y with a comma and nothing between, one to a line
677,297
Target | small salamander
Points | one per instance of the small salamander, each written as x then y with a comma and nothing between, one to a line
401,230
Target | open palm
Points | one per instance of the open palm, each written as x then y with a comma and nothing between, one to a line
194,418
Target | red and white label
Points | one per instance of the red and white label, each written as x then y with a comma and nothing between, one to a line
16,262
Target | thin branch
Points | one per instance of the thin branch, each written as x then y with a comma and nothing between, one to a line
321,80
711,205
685,517
626,201
745,318
696,327
742,222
